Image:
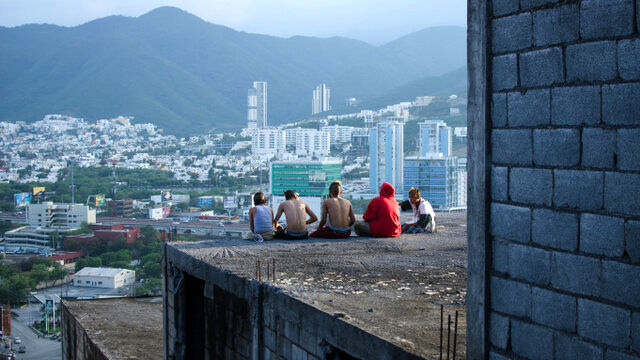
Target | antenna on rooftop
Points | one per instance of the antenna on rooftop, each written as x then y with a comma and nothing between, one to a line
114,161
73,186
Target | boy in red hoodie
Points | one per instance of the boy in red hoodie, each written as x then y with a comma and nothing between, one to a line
382,218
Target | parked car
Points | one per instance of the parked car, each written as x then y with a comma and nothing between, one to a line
17,340
22,349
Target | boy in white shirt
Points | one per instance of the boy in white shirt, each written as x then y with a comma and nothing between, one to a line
424,218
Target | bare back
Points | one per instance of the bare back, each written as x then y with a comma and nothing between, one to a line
295,211
340,212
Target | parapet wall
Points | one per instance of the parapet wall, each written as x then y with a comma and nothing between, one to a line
76,343
213,314
560,87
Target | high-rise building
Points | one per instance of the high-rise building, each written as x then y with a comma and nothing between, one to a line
435,138
386,155
268,141
441,180
312,142
310,179
257,105
320,101
59,216
338,133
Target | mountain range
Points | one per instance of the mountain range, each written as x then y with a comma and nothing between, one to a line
186,75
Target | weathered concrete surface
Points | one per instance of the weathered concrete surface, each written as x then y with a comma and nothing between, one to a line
391,288
123,328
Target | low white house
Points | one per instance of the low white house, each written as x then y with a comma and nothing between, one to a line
109,278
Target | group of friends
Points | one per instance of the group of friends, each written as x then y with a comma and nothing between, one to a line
381,219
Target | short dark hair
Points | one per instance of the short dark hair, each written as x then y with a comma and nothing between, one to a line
334,188
289,194
259,198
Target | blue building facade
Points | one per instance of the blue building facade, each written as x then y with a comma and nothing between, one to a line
386,155
441,180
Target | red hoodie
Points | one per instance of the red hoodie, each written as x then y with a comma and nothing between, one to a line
383,214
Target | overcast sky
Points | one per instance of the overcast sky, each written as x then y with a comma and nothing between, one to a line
375,21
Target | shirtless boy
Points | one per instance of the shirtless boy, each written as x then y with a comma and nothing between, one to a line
295,211
340,214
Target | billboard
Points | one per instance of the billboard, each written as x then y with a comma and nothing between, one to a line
38,191
229,202
166,196
99,200
204,201
22,199
166,211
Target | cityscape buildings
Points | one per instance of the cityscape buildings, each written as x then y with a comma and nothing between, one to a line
59,216
435,137
312,142
320,101
268,141
386,155
257,105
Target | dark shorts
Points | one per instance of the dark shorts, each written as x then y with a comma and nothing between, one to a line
290,235
328,233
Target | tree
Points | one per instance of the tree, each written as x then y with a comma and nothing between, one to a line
152,270
148,234
39,273
88,262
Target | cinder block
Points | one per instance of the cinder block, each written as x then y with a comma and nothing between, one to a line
499,110
577,189
309,342
616,355
504,7
269,338
556,26
529,109
530,4
594,61
510,297
602,235
635,331
292,331
512,147
555,229
620,105
297,353
606,19
628,149
511,33
575,273
529,264
604,323
629,59
575,105
560,147
511,222
500,256
283,347
569,347
504,72
632,240
531,186
531,341
621,282
598,147
499,330
499,181
541,67
622,193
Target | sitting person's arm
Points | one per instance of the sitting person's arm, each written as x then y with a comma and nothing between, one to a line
278,214
312,216
405,205
352,217
252,212
323,219
371,211
423,221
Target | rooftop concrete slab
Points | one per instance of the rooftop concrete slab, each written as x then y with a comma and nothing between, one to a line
389,287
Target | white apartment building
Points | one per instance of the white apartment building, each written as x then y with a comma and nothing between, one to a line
338,134
311,142
423,100
108,278
59,216
268,141
435,138
257,105
320,101
386,156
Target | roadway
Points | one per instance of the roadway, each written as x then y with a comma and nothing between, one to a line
37,348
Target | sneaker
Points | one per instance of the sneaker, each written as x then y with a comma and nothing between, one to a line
258,238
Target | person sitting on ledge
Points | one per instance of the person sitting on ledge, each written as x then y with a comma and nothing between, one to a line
295,211
382,217
340,214
423,216
261,219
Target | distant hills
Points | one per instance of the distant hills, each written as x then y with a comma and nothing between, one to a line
186,75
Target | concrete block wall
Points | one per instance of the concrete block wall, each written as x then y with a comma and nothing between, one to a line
563,81
214,314
76,343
